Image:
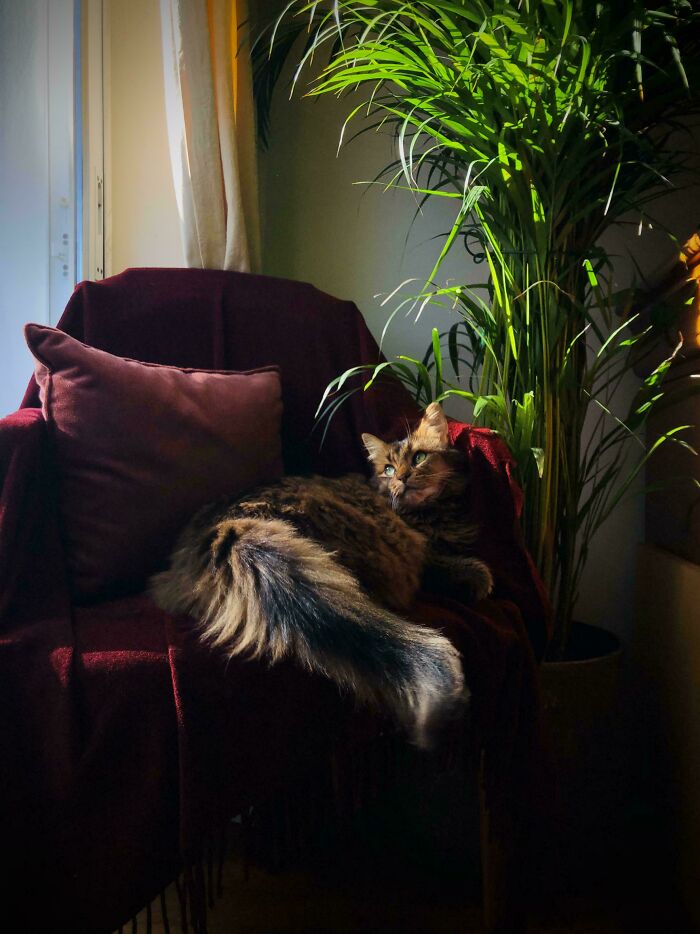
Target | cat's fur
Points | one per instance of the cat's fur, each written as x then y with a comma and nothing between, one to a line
319,569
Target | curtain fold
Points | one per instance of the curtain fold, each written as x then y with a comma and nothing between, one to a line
211,130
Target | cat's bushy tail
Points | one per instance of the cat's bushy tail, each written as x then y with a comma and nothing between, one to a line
263,589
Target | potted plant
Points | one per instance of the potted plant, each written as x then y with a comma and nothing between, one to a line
544,123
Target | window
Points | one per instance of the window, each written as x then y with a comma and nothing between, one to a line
50,183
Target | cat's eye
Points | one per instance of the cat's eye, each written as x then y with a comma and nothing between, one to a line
419,457
389,471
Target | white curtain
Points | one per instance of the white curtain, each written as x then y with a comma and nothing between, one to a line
211,128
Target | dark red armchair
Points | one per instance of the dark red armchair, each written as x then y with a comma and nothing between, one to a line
125,744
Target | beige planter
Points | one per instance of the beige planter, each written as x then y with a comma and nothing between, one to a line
580,701
580,695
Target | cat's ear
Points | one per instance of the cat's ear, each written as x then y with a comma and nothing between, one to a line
376,448
434,424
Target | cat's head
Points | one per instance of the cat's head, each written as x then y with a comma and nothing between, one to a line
413,471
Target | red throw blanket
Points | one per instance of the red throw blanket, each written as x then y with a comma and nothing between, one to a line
125,743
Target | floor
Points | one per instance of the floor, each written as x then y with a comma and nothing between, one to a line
302,903
407,869
297,903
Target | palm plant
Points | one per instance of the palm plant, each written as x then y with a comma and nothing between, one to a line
544,122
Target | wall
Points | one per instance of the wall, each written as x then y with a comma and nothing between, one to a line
142,219
347,238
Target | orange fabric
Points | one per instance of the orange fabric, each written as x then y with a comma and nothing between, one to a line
235,65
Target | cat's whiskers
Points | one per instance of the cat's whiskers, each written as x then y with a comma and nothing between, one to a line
430,479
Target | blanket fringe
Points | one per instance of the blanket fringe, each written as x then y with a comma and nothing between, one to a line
296,819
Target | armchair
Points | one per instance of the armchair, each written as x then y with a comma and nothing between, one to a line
125,743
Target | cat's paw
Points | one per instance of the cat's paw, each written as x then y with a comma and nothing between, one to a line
479,579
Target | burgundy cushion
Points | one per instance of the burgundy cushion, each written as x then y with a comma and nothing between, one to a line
140,447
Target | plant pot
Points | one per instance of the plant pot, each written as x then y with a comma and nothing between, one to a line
580,702
580,694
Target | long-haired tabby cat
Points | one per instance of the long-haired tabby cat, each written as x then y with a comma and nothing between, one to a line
319,569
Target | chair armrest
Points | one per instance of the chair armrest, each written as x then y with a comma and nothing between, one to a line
21,495
497,502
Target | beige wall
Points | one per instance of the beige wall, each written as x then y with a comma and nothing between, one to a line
142,220
348,239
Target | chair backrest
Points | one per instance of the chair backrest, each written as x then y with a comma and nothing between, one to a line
227,320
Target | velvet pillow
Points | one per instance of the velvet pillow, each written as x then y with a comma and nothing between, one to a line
140,447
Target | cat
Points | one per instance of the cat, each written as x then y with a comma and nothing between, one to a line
320,569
